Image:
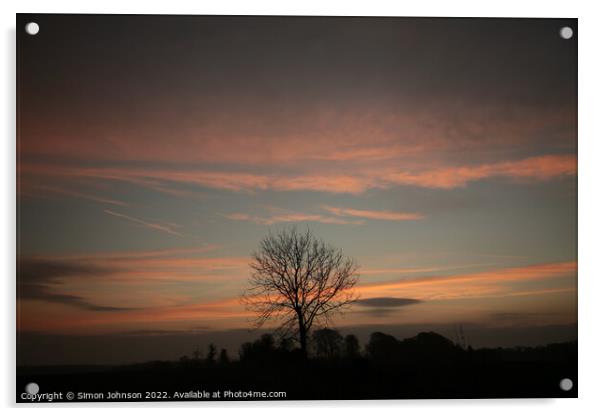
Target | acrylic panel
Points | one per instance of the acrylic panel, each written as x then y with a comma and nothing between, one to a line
295,208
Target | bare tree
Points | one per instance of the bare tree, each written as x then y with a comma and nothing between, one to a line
299,280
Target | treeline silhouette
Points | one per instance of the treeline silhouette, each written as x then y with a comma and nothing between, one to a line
427,365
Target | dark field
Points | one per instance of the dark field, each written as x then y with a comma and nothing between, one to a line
427,366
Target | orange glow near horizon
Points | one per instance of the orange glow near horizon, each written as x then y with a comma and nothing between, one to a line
463,289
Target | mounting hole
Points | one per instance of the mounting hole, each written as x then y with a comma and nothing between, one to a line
32,28
32,388
566,32
566,384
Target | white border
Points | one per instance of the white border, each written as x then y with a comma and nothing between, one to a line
590,202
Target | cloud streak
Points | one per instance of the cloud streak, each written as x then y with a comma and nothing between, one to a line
385,302
538,168
154,226
288,217
354,133
104,282
497,282
374,215
38,279
80,195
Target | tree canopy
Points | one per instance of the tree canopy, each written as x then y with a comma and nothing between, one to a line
298,280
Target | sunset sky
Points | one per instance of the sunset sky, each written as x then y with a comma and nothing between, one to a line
154,153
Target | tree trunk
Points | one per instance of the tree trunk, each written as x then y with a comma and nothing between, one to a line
302,336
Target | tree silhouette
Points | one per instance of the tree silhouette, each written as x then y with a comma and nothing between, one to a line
211,354
328,343
258,350
286,344
299,280
223,357
352,346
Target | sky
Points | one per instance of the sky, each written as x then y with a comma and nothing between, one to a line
155,152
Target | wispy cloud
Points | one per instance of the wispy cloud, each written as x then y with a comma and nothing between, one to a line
539,168
418,270
79,195
374,215
497,282
283,216
355,133
177,252
109,282
386,302
155,226
377,296
39,279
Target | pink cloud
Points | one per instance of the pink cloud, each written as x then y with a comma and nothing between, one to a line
495,282
349,148
375,215
537,168
356,132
